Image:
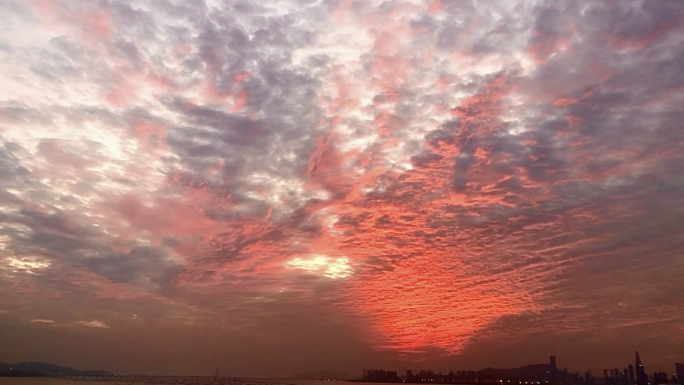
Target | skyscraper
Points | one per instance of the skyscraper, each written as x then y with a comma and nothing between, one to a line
680,373
641,377
631,374
552,360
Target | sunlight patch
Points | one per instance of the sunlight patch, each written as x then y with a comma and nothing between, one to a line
93,324
322,265
29,265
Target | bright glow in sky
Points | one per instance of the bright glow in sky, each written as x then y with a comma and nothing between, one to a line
326,266
27,265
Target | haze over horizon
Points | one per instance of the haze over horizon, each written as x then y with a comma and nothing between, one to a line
285,186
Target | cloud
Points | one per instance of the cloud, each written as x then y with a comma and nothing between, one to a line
92,324
441,172
38,320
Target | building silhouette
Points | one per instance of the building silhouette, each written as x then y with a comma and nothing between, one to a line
680,373
533,374
377,375
641,377
624,377
660,378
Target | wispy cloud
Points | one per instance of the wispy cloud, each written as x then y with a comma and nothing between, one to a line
92,324
38,320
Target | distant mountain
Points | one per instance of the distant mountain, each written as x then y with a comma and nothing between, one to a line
537,371
325,373
36,369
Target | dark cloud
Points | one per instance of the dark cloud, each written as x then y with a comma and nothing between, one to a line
140,262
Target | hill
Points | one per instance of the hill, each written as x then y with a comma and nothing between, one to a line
326,374
38,369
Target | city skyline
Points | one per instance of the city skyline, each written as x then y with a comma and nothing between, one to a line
274,187
548,373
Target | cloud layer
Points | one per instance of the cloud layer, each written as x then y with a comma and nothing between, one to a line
404,180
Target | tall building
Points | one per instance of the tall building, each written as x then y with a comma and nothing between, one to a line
680,373
641,377
631,374
552,360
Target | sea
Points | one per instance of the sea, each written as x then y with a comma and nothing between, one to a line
162,380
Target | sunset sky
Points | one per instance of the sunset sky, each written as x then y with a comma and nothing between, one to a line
275,187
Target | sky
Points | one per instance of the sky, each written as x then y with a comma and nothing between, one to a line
275,187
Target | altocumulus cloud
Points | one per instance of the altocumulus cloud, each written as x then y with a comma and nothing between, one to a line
445,171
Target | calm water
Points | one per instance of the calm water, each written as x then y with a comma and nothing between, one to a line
167,381
46,381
